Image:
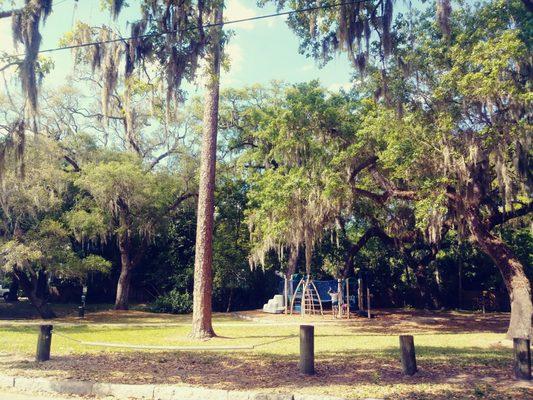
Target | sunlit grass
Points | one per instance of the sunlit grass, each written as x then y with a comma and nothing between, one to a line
357,359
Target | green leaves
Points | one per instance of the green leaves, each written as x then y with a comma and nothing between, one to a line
48,247
307,143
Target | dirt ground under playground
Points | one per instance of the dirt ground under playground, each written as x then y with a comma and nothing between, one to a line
460,355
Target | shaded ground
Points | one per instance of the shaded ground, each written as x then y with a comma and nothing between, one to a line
460,355
402,321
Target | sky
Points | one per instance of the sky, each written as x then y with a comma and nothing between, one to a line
260,51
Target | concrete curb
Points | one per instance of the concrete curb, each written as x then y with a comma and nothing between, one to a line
148,392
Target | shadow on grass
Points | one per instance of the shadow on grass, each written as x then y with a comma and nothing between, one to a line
452,370
402,321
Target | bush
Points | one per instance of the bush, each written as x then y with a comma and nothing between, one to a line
173,302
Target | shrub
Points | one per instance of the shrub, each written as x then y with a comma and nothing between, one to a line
173,302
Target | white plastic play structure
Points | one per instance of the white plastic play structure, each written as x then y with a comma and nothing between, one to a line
275,305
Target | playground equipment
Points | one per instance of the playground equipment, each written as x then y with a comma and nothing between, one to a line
304,295
275,305
307,297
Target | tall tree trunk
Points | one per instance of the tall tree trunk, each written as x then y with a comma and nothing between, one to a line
30,286
460,284
512,270
422,284
13,289
294,252
124,282
203,270
124,246
230,297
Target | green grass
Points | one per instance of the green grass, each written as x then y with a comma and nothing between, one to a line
358,359
328,338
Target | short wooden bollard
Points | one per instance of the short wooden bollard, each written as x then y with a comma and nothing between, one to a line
407,349
522,359
307,349
44,342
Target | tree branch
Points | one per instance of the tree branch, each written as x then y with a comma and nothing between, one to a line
370,161
499,218
6,66
9,13
161,157
73,163
381,199
180,200
370,233
389,187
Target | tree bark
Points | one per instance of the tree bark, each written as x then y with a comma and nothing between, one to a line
30,286
203,269
512,270
124,284
13,289
294,252
124,246
230,297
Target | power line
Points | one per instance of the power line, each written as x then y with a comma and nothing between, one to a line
232,22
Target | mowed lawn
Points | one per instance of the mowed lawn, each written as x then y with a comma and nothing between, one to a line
460,355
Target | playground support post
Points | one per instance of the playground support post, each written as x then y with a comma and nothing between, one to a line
408,357
360,294
348,298
340,297
368,302
44,342
307,349
286,294
522,356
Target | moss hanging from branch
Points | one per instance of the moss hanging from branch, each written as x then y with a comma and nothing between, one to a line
14,143
25,29
116,7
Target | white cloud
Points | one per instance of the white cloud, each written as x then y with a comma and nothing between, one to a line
336,87
236,10
235,54
236,57
6,44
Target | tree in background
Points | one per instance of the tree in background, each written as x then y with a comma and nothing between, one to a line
36,241
459,147
231,271
176,56
126,202
458,86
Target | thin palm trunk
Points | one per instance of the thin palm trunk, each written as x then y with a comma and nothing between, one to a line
203,270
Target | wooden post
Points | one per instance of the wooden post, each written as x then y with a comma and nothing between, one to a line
522,359
307,349
348,297
360,294
286,294
460,277
44,342
368,302
340,297
407,350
